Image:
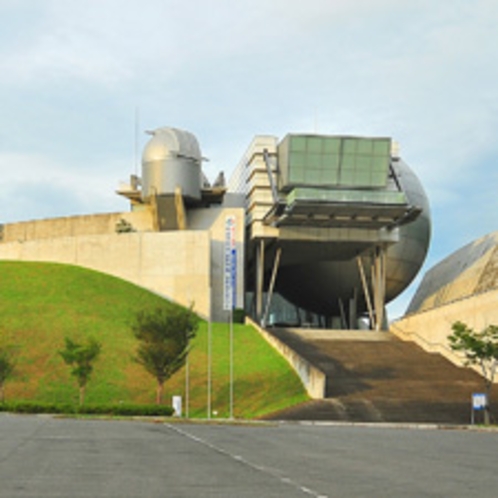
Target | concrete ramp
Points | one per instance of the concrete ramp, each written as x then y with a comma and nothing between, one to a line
375,377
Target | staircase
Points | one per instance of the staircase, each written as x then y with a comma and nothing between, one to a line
379,378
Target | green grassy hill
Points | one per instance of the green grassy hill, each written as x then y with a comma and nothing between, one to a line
41,303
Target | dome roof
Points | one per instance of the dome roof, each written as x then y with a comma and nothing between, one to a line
166,142
470,270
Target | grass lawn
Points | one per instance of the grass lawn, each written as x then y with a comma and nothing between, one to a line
41,303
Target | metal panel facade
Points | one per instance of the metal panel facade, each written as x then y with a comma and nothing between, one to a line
333,161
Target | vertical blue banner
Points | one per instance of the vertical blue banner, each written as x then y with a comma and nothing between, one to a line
230,266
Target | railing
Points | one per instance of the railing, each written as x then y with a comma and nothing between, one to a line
429,345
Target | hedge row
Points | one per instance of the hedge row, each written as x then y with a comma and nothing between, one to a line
57,408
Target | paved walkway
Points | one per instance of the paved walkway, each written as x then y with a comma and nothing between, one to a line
46,457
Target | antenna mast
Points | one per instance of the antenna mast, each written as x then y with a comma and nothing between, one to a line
137,126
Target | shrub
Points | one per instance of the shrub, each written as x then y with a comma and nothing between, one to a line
64,409
239,315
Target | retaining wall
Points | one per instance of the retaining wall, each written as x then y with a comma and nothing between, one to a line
430,329
173,264
74,226
313,379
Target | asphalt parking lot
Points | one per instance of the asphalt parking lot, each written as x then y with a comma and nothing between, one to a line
49,457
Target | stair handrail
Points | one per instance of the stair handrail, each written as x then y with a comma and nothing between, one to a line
430,344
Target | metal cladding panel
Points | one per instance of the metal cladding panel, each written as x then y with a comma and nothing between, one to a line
387,197
164,176
470,270
333,161
406,258
171,159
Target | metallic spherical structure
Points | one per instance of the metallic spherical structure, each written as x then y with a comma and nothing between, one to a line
407,256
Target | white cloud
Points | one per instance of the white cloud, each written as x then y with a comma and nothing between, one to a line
36,186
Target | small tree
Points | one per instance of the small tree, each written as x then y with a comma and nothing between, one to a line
7,366
479,348
81,358
164,335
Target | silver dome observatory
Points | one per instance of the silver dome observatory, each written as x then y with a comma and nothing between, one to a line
171,160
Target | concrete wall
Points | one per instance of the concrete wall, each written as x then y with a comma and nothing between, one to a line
340,334
313,379
173,264
213,221
73,226
430,329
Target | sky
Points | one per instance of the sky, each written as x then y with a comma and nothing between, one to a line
79,78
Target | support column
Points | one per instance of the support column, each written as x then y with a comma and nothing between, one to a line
181,216
353,310
375,298
276,264
379,285
366,291
344,322
260,273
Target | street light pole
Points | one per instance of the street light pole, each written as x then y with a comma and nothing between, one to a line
209,359
187,385
231,362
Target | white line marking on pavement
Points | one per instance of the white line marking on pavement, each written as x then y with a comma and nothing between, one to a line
240,459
